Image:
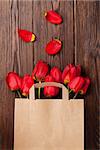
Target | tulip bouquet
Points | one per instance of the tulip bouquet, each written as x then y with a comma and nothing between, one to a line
70,76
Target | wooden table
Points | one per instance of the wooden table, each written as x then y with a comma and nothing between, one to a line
80,33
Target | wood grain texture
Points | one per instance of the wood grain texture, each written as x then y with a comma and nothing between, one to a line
6,64
15,56
45,31
87,53
80,33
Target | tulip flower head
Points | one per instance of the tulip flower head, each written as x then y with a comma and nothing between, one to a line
56,74
40,71
50,91
70,72
76,84
13,81
27,83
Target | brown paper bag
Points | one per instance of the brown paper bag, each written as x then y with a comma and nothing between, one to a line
49,124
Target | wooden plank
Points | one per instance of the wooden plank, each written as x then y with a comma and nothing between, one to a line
25,21
6,64
45,31
15,55
87,53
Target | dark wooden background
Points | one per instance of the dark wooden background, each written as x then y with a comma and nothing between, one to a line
80,33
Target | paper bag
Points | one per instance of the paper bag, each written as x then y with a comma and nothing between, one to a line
49,124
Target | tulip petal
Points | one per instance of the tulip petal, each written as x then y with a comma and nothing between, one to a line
27,83
50,91
85,86
66,70
56,74
26,36
40,70
53,17
76,84
53,47
13,81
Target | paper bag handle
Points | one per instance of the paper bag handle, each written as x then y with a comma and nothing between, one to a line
43,84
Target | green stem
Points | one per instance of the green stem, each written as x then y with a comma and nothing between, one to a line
39,91
75,95
19,94
70,91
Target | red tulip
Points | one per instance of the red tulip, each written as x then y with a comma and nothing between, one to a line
53,47
50,91
26,36
66,70
56,74
76,84
13,81
70,72
40,71
85,86
27,83
53,17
